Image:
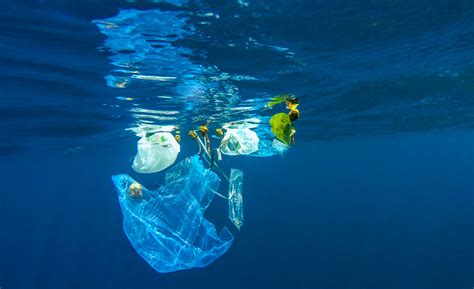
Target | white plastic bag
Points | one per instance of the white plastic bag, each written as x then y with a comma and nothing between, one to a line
280,147
155,153
240,141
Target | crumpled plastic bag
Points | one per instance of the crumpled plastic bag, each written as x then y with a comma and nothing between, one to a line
155,153
239,141
267,145
236,203
166,226
282,127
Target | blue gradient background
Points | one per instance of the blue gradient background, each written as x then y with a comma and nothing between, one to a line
367,201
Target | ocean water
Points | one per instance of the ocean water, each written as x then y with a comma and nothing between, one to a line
378,191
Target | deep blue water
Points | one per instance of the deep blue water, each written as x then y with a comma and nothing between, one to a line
378,191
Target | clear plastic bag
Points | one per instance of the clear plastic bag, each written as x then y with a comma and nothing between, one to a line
239,141
166,226
155,153
267,145
236,202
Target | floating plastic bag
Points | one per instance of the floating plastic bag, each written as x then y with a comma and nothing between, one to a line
166,226
241,141
236,203
280,147
282,127
267,144
155,153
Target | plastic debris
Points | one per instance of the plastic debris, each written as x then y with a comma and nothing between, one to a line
267,145
166,226
236,205
241,141
282,127
280,147
155,153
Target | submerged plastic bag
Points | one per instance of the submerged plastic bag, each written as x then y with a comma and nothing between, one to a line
155,153
236,202
166,226
282,127
267,144
239,141
280,147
